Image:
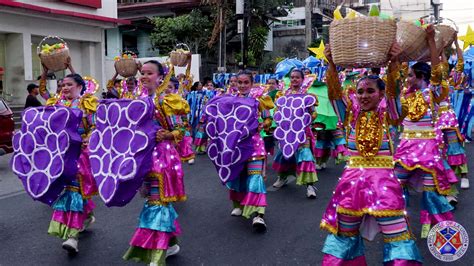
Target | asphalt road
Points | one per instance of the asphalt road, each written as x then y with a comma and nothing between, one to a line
210,235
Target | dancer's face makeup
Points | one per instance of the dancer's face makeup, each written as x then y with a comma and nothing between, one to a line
368,94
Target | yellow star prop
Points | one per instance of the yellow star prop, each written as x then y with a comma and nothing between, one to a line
468,39
319,51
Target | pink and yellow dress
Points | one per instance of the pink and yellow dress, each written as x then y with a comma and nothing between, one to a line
75,206
419,162
158,226
368,197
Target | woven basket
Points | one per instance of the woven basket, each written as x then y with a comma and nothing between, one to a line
56,61
447,34
412,40
180,58
126,67
361,41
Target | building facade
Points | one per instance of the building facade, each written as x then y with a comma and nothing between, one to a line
24,24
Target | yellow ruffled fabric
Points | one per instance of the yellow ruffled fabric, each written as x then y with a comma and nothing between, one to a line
265,103
89,103
436,74
174,104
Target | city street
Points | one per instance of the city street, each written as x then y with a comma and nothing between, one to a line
210,235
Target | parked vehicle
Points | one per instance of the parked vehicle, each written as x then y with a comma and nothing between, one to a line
7,128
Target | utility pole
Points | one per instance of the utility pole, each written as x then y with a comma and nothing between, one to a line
239,12
246,33
307,23
436,8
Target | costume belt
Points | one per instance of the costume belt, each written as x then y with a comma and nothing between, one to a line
418,134
371,162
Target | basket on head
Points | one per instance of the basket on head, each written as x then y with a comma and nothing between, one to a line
447,34
361,41
126,67
56,60
412,40
179,56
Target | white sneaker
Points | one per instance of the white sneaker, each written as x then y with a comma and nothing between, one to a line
464,183
173,250
280,182
259,224
190,162
452,200
323,165
71,245
318,167
87,223
311,192
236,212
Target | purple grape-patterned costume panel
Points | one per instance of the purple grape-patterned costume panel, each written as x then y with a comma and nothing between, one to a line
231,123
292,118
121,148
46,150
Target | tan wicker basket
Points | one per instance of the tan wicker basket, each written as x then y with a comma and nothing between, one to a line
361,41
180,58
56,61
412,40
447,34
126,67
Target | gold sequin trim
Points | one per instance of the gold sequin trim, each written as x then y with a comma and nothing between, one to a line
371,162
375,213
156,203
404,236
369,134
418,134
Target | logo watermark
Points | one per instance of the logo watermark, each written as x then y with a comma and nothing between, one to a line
448,241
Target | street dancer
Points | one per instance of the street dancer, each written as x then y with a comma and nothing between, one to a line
237,149
302,163
368,198
156,235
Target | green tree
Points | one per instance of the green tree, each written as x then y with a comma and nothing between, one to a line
192,29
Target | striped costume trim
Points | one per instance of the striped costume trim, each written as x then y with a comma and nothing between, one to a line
370,211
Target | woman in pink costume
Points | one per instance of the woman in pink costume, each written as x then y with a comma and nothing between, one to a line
418,158
302,164
73,210
368,198
155,237
448,123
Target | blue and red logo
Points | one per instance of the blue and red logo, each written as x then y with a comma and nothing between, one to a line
448,241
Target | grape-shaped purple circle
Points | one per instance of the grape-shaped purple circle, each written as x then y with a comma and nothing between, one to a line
224,172
212,151
211,129
63,141
285,124
306,119
40,134
299,112
94,141
277,117
95,164
30,115
107,138
21,165
279,133
309,100
297,103
286,112
108,188
115,166
291,137
226,158
27,143
135,110
106,160
138,143
127,168
121,140
297,125
287,150
101,113
220,124
300,136
16,141
52,142
211,110
57,166
58,120
281,101
113,114
41,158
38,183
231,139
243,113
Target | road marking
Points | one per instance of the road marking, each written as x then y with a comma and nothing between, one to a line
273,189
